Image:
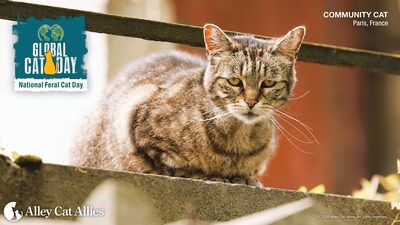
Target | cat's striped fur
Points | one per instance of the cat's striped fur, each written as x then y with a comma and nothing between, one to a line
178,115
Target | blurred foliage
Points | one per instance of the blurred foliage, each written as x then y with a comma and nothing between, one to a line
381,188
378,188
15,155
30,162
318,189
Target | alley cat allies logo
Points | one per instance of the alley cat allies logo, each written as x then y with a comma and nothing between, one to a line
11,213
49,55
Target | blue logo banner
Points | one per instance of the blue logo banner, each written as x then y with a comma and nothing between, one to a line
49,55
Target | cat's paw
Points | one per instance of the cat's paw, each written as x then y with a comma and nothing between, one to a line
219,179
253,182
239,180
246,180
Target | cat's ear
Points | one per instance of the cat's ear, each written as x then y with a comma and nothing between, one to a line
290,44
216,40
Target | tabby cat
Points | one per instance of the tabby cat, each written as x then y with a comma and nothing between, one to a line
178,115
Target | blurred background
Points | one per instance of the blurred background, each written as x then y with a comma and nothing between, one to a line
355,115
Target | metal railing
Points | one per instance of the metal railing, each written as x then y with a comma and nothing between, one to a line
192,35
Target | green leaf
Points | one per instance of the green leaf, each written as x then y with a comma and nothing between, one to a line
318,189
15,155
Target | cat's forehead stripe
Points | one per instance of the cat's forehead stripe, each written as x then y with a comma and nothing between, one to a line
250,62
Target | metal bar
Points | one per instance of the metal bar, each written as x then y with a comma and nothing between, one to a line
191,35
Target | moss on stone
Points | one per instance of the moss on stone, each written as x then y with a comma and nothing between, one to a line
30,162
5,158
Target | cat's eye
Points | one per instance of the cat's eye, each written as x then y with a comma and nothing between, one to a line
268,83
235,82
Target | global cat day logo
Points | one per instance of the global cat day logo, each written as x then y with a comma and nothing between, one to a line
49,55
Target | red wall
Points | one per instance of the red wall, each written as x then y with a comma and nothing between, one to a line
332,107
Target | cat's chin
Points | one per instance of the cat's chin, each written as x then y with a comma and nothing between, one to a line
249,118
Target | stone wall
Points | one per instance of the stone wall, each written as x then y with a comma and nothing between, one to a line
176,198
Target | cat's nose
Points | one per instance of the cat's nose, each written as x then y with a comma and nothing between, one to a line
251,97
251,102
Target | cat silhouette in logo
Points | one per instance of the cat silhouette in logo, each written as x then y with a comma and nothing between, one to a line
49,67
17,214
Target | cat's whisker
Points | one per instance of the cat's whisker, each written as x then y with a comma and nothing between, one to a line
281,114
283,130
287,114
306,127
209,111
218,118
213,110
293,116
301,96
212,118
309,141
290,117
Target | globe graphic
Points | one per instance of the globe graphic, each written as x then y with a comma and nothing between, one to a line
53,33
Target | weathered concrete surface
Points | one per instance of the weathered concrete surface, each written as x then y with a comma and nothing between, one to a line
54,185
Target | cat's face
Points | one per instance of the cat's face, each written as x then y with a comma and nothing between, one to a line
248,77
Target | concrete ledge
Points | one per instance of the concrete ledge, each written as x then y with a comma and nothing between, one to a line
55,185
